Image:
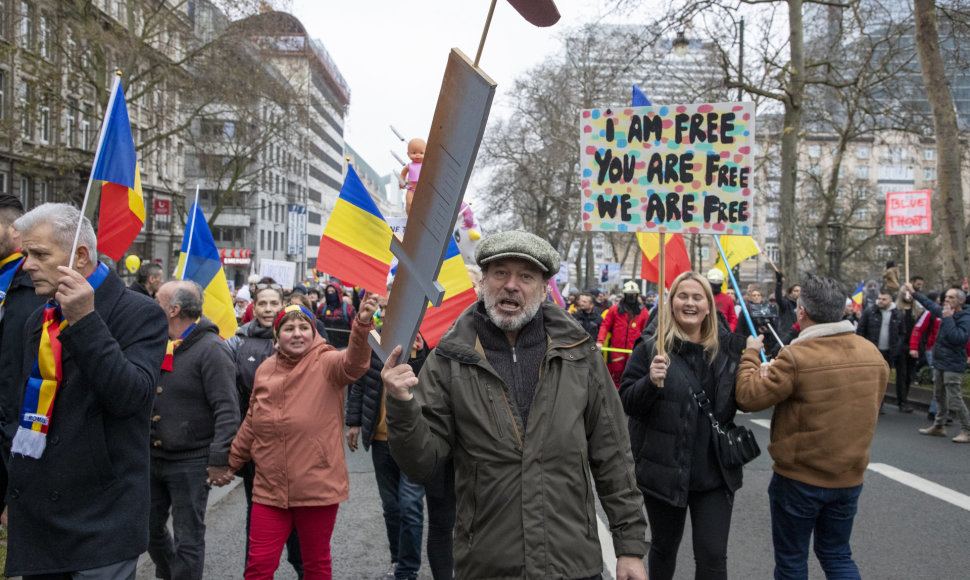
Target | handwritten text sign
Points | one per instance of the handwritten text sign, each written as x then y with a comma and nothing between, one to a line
677,168
909,212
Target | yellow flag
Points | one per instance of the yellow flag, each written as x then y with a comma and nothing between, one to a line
737,249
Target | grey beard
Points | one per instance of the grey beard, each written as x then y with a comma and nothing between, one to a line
528,312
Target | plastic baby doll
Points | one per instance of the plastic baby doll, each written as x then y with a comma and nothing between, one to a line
412,171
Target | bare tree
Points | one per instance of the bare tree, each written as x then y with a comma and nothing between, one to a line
532,158
949,148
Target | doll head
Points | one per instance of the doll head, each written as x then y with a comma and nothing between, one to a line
416,150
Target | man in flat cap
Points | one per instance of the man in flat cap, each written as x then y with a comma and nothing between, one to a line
519,396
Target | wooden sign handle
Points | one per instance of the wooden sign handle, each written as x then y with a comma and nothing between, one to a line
661,330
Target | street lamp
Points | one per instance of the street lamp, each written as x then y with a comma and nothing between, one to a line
680,44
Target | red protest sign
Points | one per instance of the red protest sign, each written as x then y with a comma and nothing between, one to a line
909,212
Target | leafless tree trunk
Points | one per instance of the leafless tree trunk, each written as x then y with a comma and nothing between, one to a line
949,150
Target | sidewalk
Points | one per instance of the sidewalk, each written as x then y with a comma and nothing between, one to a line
919,397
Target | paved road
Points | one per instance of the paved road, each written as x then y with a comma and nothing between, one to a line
901,531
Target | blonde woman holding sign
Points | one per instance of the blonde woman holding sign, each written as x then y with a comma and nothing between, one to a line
677,464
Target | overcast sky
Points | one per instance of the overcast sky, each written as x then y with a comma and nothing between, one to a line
393,55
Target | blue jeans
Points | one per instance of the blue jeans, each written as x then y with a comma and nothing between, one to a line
403,504
799,509
178,487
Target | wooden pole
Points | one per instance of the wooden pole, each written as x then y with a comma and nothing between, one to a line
907,260
488,23
661,327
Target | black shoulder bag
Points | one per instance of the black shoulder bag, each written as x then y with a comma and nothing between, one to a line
735,444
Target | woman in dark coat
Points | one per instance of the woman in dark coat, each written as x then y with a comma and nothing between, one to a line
677,465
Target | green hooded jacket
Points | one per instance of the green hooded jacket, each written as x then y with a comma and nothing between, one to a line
526,505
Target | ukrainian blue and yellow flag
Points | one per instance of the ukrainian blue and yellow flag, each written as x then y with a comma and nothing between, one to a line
199,261
356,244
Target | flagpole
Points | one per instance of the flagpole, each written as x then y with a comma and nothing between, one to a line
488,23
188,248
97,156
737,291
661,327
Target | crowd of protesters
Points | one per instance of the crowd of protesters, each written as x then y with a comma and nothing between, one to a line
494,430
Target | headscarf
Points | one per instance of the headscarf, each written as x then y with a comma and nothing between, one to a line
297,311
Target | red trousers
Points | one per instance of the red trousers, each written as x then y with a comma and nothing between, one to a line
270,526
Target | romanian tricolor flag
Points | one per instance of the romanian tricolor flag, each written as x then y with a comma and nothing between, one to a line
199,261
677,259
115,165
459,294
857,297
356,244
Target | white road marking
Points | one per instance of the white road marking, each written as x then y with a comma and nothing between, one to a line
924,485
606,542
908,479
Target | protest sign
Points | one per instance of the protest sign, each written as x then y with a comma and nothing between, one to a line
909,212
282,272
677,168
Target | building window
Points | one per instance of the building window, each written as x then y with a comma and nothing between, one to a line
3,176
3,18
861,213
862,172
262,240
929,173
70,126
26,26
44,37
3,86
87,135
45,124
42,191
862,152
24,98
929,154
25,191
814,151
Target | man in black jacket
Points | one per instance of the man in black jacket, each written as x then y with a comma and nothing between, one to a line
78,492
883,326
193,422
148,279
18,301
588,315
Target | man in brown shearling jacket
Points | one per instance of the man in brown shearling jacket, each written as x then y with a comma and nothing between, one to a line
826,388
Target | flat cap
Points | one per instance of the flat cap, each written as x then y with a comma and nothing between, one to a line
521,245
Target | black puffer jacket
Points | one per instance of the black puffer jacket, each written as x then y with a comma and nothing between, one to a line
364,396
664,422
250,346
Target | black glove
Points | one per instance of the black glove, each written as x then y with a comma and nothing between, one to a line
779,276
